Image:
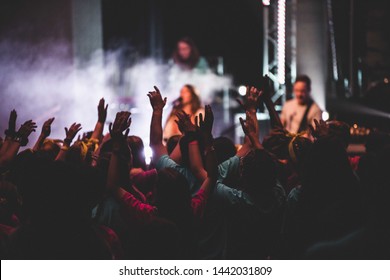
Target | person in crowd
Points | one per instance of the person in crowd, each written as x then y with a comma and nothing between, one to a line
240,217
329,203
225,148
371,240
172,197
294,195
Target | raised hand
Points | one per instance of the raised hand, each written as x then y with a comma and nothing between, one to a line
71,133
321,129
46,128
102,111
250,129
156,100
184,122
205,124
248,125
122,123
11,124
25,130
252,98
265,93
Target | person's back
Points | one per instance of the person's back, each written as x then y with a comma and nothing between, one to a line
59,242
329,203
253,232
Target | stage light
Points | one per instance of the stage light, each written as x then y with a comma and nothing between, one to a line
266,2
281,41
242,90
325,116
148,154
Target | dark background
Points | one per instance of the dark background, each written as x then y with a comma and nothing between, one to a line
228,28
231,29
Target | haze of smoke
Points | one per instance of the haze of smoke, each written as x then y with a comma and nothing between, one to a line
42,81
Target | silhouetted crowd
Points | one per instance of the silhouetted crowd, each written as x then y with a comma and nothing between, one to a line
293,196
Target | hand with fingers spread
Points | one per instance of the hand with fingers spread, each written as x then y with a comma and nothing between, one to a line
15,140
25,130
97,133
121,123
252,98
249,128
248,125
184,122
71,133
205,124
156,100
321,129
102,111
45,132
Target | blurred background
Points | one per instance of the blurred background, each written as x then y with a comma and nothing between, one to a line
60,57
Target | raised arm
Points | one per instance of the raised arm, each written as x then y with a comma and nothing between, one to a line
19,139
70,135
134,209
250,106
156,131
250,130
120,149
320,129
190,138
265,96
10,133
210,162
210,169
46,130
102,115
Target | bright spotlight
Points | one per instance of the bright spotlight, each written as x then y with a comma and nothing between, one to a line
148,154
325,116
266,2
242,90
281,41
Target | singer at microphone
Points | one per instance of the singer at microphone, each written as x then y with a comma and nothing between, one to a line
190,103
177,102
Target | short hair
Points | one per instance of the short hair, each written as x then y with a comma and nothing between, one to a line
305,79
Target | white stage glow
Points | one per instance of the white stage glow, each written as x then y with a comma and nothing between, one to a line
281,41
